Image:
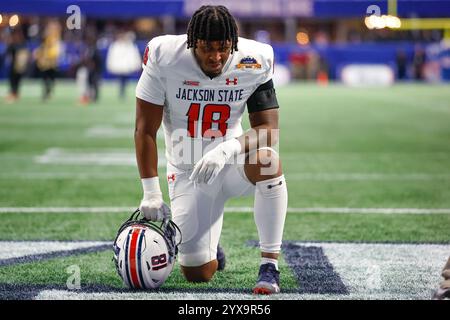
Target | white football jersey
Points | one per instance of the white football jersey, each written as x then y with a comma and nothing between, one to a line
199,111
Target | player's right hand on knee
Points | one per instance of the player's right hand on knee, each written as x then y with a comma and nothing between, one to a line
152,205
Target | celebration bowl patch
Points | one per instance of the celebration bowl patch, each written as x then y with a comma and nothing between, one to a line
248,63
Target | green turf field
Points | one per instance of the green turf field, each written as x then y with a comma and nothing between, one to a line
341,148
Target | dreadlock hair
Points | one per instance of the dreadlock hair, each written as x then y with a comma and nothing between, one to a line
212,23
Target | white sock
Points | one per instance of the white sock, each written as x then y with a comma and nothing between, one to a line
269,260
271,199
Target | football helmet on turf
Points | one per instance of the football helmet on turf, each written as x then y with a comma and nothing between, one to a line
145,252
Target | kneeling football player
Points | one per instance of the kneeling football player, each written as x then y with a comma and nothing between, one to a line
197,86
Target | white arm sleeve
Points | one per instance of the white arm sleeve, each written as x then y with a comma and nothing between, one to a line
150,86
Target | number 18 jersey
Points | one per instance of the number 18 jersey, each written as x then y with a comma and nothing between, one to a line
200,112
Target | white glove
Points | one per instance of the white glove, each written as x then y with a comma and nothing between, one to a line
209,166
152,205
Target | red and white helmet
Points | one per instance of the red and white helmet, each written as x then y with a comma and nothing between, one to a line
145,253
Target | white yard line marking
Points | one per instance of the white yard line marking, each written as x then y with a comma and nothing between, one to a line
378,269
109,132
231,209
367,176
15,249
369,271
70,175
128,159
373,210
72,295
104,157
66,209
124,117
354,210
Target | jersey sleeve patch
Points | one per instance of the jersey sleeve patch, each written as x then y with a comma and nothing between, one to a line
145,59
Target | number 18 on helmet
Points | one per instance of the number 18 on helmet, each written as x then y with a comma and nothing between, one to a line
145,253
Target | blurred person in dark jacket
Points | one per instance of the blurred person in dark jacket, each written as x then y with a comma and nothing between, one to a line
18,54
402,63
89,70
419,63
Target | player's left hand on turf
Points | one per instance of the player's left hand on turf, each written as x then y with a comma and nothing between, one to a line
209,166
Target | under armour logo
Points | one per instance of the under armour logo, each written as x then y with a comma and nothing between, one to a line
270,186
191,83
234,81
171,177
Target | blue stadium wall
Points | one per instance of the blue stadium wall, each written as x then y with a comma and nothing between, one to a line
240,8
336,56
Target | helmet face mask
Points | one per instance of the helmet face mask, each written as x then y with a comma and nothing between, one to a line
144,252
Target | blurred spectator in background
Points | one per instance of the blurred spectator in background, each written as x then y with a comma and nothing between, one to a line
444,60
89,70
47,56
18,54
123,59
298,64
312,67
321,38
323,72
419,63
308,65
402,63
